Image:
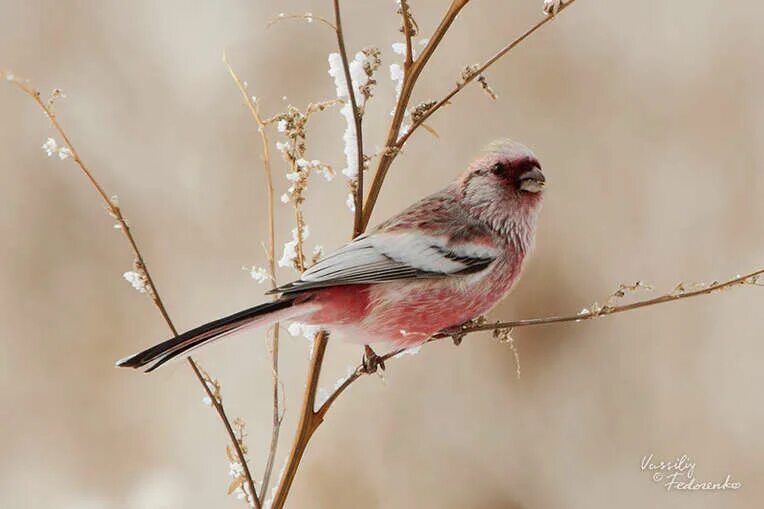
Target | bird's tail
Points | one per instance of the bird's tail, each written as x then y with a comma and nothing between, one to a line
262,315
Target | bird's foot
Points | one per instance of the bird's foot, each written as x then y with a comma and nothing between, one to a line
371,361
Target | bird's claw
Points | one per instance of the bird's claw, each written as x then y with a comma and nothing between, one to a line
371,361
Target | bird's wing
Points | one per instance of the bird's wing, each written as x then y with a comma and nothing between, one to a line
385,256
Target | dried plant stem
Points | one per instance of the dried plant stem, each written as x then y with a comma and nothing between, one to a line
357,120
116,213
310,420
304,17
749,278
669,297
277,414
396,140
477,72
407,34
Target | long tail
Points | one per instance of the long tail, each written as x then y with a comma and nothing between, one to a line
262,315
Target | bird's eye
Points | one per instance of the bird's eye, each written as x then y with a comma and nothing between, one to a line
497,169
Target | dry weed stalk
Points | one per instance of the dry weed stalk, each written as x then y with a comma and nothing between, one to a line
292,124
142,274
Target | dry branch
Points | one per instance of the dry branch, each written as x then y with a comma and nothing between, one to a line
357,120
751,278
277,414
114,210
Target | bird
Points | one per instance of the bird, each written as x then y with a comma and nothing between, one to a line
443,261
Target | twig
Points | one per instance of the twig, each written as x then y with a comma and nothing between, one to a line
748,279
396,140
115,211
606,311
309,17
310,420
407,33
357,119
411,74
278,415
477,72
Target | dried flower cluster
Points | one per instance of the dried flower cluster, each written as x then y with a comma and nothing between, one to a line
236,470
471,72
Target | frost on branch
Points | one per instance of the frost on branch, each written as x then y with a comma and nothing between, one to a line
138,278
552,7
259,274
361,69
290,258
51,147
398,74
297,329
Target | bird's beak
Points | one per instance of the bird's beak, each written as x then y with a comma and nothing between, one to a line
532,181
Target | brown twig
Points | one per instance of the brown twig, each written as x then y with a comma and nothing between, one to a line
611,310
115,211
477,72
410,76
309,17
395,140
407,33
310,420
357,120
278,415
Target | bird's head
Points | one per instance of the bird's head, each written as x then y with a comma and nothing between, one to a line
504,182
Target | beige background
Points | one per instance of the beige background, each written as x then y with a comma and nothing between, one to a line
647,117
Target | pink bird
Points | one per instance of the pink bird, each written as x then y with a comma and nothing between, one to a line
445,260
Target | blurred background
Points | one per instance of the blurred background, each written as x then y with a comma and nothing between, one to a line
648,119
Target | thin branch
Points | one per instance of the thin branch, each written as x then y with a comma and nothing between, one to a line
752,278
308,17
217,404
407,33
278,415
409,80
357,119
749,278
115,211
476,73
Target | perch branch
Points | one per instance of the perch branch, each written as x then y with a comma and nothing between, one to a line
115,211
278,415
752,278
